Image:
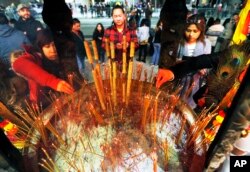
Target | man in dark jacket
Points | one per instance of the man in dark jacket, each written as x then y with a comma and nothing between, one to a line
27,23
10,40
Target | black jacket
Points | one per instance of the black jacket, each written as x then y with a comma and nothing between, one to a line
79,39
29,27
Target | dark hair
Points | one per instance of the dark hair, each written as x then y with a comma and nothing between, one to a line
75,20
157,27
210,22
43,37
96,31
197,19
217,21
226,21
117,7
235,14
144,21
3,19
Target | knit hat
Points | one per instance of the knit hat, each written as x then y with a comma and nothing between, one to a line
43,37
21,6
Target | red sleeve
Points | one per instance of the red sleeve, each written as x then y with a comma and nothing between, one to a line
28,66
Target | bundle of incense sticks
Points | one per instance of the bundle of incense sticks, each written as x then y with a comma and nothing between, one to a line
126,85
107,47
124,55
113,75
130,71
96,74
124,67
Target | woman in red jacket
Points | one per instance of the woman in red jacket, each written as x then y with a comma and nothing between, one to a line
41,68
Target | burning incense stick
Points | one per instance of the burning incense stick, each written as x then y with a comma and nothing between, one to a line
132,49
183,123
88,52
124,55
124,63
146,103
130,72
114,96
107,47
112,49
98,89
96,56
97,116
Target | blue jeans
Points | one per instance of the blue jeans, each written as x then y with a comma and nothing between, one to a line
81,63
156,55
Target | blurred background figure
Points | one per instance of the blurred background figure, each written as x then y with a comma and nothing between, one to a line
98,36
143,38
148,13
214,31
226,37
78,37
157,43
26,23
209,23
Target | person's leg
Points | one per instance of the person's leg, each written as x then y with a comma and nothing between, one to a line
145,51
158,49
102,56
153,61
140,53
81,64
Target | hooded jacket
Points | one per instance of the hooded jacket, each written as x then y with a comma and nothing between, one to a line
10,40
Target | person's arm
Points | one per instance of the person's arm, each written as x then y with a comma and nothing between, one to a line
28,68
82,35
213,33
195,63
39,26
208,47
94,36
188,66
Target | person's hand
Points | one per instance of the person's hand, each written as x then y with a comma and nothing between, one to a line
119,46
203,72
163,76
64,87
